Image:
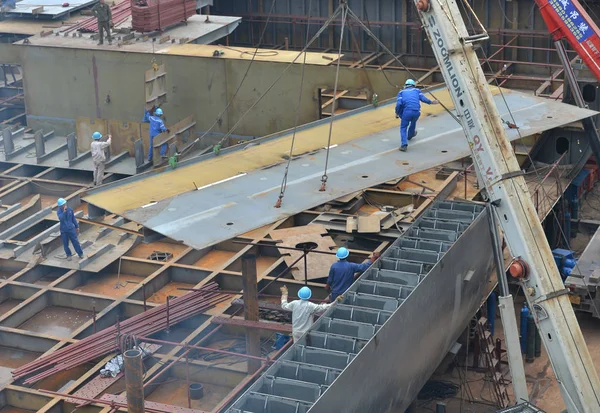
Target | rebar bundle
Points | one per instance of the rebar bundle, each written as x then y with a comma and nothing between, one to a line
106,341
120,13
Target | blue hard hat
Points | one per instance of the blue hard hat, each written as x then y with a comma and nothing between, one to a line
96,135
410,82
305,293
158,112
61,201
342,253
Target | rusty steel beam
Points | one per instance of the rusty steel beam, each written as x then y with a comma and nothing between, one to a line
250,287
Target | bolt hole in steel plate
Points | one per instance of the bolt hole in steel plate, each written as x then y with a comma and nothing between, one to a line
404,163
365,176
229,223
549,117
444,151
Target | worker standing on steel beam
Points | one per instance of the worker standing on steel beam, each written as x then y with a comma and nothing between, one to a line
102,12
408,108
157,126
302,310
343,273
69,228
99,157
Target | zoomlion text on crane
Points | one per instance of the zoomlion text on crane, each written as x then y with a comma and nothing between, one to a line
455,85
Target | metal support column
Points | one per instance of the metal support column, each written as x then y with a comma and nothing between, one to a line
134,381
509,320
250,285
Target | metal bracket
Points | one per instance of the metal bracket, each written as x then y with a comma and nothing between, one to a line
553,294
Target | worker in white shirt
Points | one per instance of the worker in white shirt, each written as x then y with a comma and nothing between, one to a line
99,157
302,310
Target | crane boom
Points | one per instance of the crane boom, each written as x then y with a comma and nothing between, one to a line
567,19
506,190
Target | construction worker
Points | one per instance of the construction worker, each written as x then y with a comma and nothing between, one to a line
69,228
408,107
157,126
343,273
99,156
302,310
102,12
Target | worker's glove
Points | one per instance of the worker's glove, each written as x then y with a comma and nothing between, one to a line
375,256
397,117
284,290
339,299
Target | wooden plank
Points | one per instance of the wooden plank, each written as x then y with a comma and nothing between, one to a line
369,224
318,264
259,325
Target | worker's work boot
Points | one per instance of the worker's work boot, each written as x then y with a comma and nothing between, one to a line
68,258
100,43
403,148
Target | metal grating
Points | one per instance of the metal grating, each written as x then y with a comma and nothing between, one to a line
297,380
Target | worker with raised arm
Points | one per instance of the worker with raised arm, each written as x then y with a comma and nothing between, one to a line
99,156
343,273
102,12
302,310
408,108
157,126
69,228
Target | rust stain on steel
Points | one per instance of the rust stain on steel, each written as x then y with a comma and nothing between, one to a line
95,72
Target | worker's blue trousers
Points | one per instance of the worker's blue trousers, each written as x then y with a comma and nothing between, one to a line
71,235
408,126
163,149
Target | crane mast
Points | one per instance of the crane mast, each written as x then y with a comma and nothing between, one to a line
506,190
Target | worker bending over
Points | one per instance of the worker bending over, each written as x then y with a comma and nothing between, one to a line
302,310
343,273
102,12
157,126
408,107
69,228
99,156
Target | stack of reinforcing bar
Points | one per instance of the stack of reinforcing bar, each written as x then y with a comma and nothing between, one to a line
106,341
157,15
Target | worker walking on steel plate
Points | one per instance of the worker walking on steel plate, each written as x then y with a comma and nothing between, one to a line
157,126
343,273
408,108
102,12
99,156
302,310
69,228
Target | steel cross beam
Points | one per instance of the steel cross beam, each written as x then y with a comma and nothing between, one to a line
497,167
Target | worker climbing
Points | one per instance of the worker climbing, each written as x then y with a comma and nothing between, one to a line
102,12
408,108
69,228
157,126
99,156
302,310
343,273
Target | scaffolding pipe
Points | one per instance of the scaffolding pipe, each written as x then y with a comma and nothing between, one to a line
134,381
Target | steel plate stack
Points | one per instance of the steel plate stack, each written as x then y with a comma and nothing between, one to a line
157,15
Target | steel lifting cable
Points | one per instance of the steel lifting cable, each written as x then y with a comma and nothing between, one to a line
383,46
335,86
287,167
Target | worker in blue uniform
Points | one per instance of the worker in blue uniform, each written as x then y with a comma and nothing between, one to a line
69,228
157,126
408,108
343,273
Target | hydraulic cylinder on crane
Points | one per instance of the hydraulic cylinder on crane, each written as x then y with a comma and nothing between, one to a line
506,190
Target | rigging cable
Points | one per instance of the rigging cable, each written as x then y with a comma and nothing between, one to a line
289,161
335,86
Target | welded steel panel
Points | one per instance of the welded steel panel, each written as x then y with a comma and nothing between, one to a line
361,345
241,203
